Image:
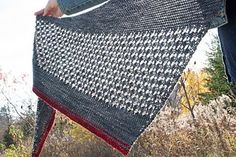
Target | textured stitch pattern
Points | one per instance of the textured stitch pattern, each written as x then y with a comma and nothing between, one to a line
134,71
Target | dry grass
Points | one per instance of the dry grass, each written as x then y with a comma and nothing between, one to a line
171,135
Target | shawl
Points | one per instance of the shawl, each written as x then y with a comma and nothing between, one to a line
112,69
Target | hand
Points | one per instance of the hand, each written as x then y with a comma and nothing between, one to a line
51,9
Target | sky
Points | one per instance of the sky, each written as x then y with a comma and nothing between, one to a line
16,34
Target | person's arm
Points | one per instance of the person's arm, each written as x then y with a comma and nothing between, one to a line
57,8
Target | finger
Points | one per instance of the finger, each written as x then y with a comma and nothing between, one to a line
46,12
40,12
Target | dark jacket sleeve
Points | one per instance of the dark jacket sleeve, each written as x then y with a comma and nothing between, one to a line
69,7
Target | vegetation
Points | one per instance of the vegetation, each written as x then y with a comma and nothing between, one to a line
217,82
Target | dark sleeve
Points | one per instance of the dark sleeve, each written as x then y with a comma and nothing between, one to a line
231,10
73,6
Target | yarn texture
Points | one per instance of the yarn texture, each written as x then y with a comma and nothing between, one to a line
112,69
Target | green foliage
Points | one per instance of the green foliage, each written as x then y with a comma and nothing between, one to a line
2,147
15,142
8,138
16,151
11,151
12,143
217,83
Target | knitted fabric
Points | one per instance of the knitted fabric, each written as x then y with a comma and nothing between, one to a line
112,69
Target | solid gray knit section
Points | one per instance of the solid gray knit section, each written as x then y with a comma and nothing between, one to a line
139,15
44,115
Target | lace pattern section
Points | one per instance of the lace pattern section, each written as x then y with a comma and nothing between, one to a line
132,71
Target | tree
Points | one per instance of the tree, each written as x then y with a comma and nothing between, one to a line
217,83
16,114
191,85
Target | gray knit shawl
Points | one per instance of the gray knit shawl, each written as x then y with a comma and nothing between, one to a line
112,69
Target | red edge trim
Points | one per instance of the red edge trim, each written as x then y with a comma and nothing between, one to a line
85,123
44,136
